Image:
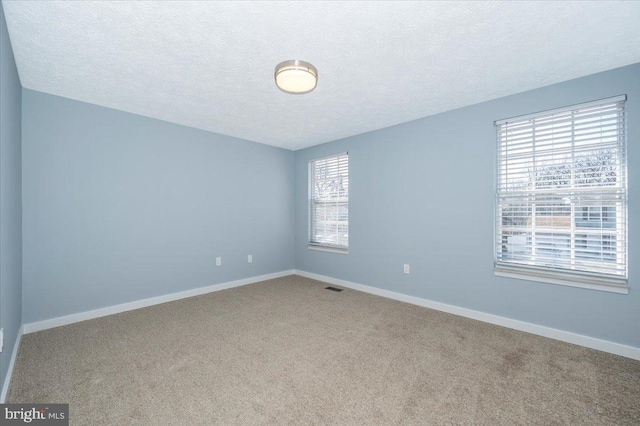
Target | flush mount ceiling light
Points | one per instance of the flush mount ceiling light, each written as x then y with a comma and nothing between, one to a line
296,77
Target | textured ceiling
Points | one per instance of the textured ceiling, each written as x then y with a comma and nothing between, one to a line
210,64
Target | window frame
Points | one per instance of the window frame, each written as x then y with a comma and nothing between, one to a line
558,275
312,243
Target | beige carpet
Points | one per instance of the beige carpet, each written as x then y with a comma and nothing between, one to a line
287,351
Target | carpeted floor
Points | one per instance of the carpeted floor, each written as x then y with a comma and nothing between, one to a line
287,351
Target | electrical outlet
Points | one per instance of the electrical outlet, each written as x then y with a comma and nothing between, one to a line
250,258
218,261
406,268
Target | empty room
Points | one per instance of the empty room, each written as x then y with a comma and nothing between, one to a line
343,213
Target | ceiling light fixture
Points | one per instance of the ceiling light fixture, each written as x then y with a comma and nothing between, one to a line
296,77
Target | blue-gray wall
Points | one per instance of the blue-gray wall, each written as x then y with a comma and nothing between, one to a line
118,207
423,193
10,200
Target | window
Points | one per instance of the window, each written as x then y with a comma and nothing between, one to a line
329,203
561,198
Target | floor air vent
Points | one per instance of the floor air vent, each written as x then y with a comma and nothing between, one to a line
333,289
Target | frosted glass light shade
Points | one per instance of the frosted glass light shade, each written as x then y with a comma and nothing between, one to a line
296,77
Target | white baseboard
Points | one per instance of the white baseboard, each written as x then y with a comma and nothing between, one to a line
12,363
565,336
110,310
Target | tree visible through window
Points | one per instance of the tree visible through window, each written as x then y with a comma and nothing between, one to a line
329,202
562,192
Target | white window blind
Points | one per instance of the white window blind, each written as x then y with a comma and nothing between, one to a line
329,202
561,199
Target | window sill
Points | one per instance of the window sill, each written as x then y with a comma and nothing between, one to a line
328,248
559,278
